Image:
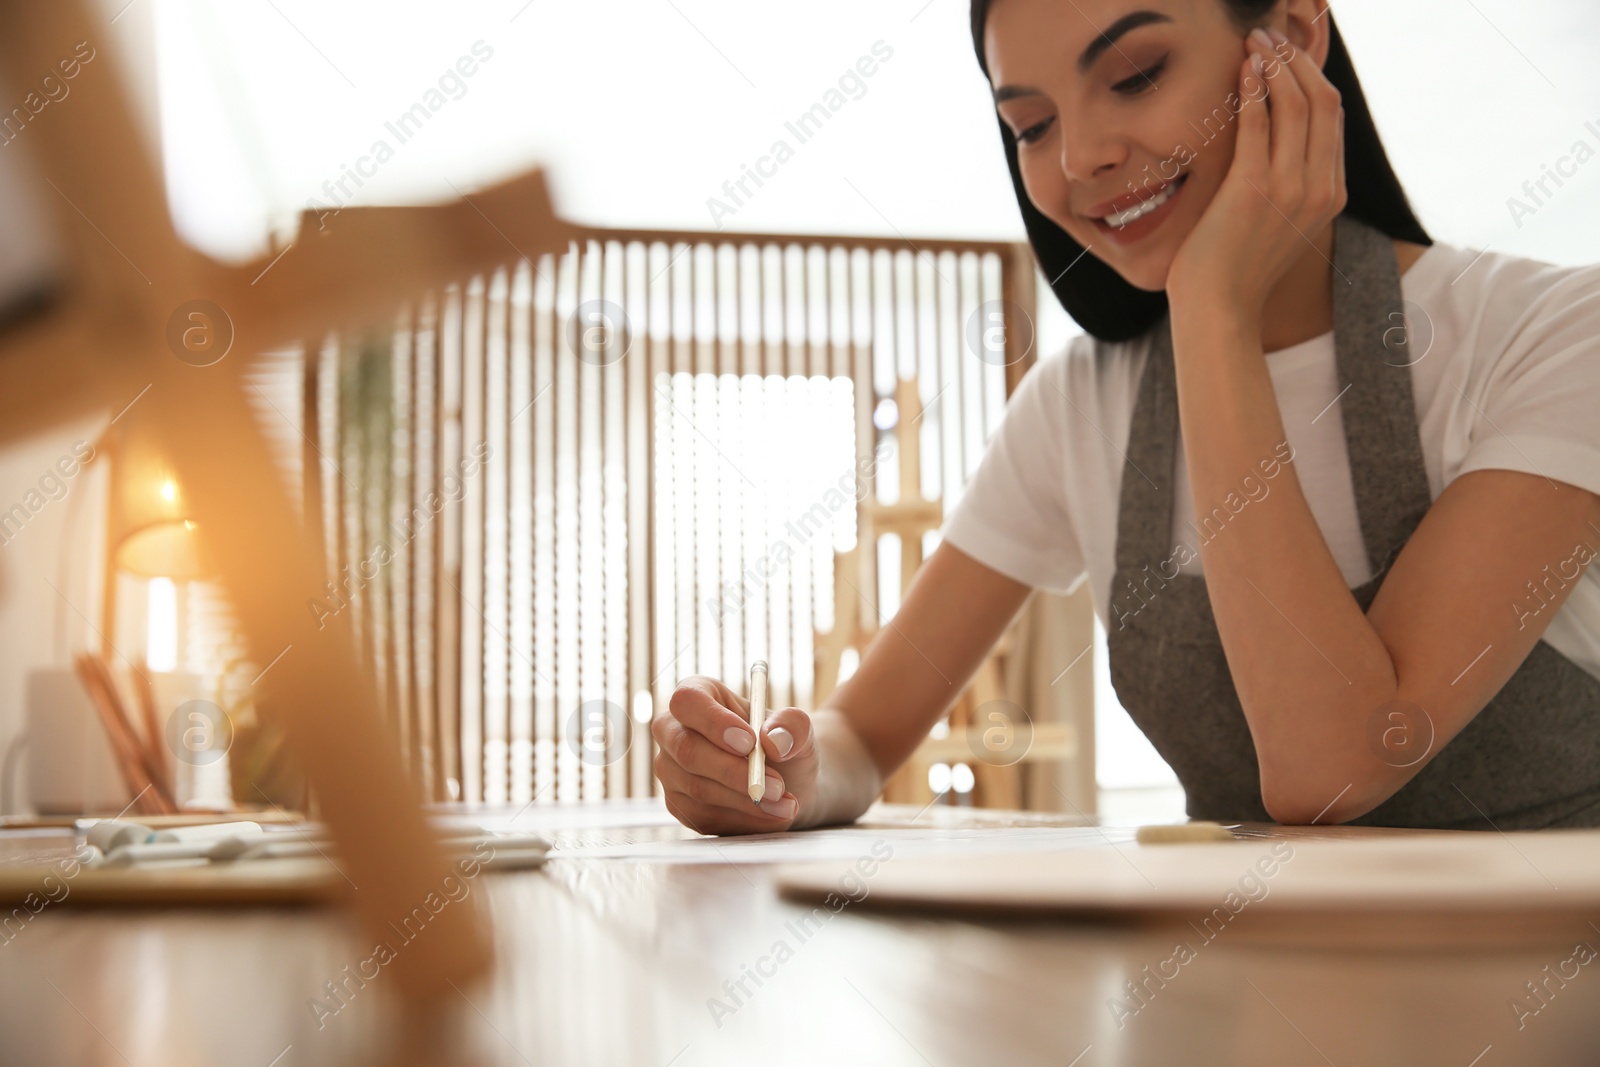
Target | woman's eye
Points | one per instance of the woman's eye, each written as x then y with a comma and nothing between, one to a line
1140,81
1034,132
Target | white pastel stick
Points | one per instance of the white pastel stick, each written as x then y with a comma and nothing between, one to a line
516,859
758,716
163,852
108,835
268,847
211,831
499,841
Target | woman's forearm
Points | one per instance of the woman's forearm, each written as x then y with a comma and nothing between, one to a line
1307,663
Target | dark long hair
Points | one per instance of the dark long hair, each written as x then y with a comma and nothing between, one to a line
1110,308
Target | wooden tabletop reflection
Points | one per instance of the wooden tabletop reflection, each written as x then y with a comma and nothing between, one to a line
607,961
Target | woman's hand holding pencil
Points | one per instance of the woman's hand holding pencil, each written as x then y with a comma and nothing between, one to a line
726,765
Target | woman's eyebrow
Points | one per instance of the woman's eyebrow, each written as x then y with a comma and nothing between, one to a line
1095,49
1007,92
1108,37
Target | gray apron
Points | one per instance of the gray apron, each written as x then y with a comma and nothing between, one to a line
1530,758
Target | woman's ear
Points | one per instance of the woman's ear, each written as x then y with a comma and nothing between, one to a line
1305,23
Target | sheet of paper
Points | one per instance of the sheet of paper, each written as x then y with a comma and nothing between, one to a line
538,818
849,843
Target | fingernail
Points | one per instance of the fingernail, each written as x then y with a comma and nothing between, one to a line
1257,66
738,740
774,787
782,740
782,808
1277,36
1260,38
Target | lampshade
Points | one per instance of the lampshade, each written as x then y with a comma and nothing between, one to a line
150,532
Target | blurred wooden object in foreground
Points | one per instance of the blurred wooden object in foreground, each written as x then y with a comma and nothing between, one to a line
140,327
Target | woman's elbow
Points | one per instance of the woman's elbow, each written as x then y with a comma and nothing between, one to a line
1284,807
1304,800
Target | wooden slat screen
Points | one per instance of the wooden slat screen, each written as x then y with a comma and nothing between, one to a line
549,494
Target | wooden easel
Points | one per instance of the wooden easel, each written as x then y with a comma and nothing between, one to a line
996,784
855,611
109,341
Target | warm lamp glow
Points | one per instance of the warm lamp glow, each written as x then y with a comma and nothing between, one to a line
152,535
161,626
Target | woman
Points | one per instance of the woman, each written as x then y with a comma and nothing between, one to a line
1335,485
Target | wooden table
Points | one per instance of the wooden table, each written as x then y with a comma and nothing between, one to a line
605,961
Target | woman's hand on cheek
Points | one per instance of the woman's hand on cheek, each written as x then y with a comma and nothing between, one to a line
1285,183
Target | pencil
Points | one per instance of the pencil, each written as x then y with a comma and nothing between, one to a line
150,793
156,758
758,715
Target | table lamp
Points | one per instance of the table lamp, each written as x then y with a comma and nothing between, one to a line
149,531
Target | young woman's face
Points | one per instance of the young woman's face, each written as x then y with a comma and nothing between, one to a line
1119,105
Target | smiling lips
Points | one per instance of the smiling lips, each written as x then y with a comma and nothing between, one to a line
1133,215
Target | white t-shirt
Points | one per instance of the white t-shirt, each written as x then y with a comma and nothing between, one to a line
1511,381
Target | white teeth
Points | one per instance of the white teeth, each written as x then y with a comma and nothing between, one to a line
1120,219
